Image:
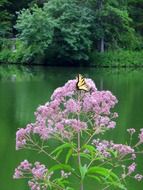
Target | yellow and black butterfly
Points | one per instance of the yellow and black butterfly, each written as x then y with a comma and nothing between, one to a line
81,84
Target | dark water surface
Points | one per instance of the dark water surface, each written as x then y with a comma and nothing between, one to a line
19,100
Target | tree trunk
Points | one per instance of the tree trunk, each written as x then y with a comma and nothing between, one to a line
102,45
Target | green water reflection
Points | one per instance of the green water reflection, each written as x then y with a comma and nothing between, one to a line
18,101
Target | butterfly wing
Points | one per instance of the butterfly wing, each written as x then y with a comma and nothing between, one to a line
81,84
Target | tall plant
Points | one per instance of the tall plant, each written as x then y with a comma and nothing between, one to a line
76,120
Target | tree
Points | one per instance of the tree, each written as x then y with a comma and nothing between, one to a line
8,9
5,17
111,22
60,27
136,12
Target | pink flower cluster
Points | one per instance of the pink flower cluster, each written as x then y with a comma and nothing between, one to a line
131,168
105,147
37,174
138,177
38,171
141,136
69,111
123,150
102,147
22,136
131,131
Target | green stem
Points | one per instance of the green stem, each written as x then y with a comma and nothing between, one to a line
49,155
78,147
90,138
79,160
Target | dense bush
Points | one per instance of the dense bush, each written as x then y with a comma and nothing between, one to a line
20,53
117,58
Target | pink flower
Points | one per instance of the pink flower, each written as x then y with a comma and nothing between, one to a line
25,165
123,149
131,131
138,177
111,124
59,115
91,84
141,136
77,125
43,131
59,126
17,174
36,173
115,115
21,136
67,90
39,171
72,106
131,168
133,156
102,147
33,185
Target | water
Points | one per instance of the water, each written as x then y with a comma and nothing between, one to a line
19,99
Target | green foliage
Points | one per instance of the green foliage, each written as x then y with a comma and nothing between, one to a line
112,22
118,58
71,34
136,12
69,30
61,166
83,171
48,29
105,176
5,19
35,28
20,54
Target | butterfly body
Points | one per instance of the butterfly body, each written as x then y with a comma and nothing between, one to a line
81,84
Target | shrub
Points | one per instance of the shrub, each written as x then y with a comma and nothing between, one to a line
117,58
21,53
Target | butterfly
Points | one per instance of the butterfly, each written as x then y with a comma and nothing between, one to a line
81,84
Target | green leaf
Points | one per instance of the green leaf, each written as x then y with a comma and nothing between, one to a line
61,167
95,177
58,153
91,149
69,188
118,184
84,155
68,155
61,182
108,174
61,147
83,171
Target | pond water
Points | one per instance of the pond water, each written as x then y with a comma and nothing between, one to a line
19,99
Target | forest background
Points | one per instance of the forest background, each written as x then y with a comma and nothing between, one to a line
85,32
